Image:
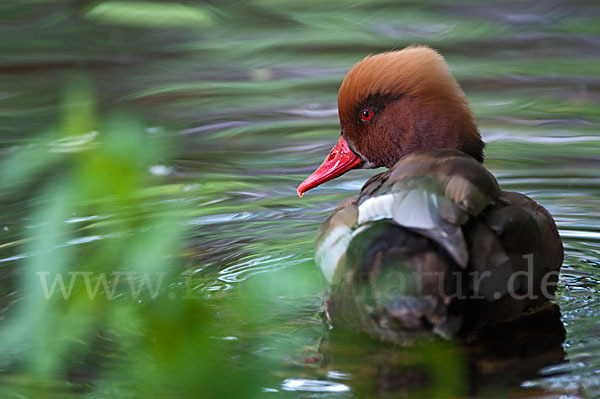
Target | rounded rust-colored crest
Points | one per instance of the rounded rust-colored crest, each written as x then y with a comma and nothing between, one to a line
418,105
414,71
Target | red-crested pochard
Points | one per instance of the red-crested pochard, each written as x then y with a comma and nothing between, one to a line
432,244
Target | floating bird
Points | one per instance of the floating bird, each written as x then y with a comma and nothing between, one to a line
432,245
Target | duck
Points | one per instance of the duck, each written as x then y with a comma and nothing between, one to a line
433,245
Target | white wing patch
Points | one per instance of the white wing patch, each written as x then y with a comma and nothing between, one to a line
417,210
376,208
412,209
332,249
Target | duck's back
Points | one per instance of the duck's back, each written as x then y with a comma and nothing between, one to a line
433,244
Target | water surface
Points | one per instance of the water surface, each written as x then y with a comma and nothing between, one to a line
233,104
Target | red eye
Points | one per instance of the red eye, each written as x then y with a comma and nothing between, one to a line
366,115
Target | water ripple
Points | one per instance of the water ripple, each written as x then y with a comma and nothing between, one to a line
241,271
305,385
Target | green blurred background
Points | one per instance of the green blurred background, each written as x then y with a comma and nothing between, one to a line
149,154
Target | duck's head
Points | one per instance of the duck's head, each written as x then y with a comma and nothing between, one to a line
392,104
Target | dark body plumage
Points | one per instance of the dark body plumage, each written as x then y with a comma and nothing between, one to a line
464,253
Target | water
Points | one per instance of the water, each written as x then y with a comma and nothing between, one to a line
241,99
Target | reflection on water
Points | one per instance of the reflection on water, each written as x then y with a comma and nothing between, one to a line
499,358
304,385
243,94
